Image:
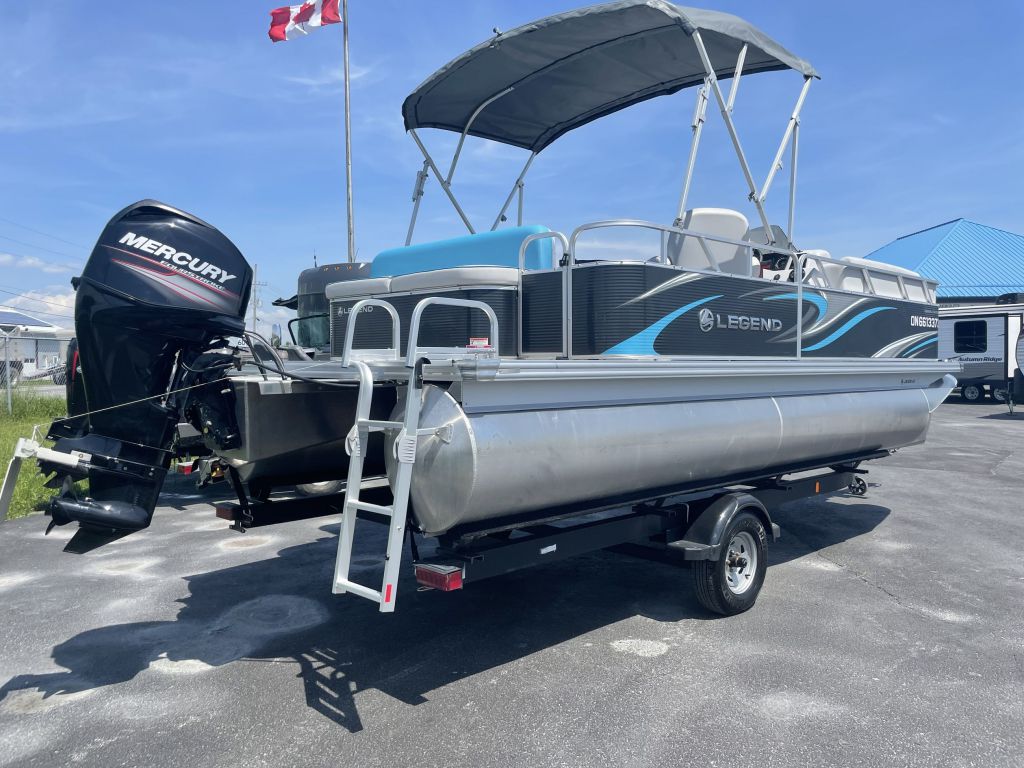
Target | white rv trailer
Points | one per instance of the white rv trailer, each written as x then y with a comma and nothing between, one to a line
32,347
987,341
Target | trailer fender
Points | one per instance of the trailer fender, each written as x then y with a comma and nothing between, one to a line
703,539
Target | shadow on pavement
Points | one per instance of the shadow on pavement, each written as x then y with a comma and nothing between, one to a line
275,609
1004,416
812,525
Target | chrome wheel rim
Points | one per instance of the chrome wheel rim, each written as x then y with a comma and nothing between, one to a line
999,395
971,392
740,563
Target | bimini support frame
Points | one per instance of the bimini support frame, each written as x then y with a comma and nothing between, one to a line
794,120
792,182
699,118
700,111
517,187
444,185
724,108
417,196
446,181
465,131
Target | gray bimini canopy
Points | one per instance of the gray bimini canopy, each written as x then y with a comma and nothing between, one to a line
547,78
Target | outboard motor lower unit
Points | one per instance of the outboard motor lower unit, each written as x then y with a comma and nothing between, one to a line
160,290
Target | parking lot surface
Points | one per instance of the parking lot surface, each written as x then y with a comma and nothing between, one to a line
889,632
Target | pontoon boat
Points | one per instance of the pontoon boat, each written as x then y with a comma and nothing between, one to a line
499,379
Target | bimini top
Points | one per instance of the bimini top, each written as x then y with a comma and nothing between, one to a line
556,74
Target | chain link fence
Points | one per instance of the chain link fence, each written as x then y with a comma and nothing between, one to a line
32,364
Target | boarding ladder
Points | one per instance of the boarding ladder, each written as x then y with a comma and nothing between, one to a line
408,434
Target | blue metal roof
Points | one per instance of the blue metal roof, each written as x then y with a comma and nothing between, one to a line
967,258
10,318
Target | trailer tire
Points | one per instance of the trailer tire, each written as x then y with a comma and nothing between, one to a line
322,488
729,584
999,395
972,393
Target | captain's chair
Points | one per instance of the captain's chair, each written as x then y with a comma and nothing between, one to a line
687,251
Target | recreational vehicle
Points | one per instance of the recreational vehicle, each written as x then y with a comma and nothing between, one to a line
987,341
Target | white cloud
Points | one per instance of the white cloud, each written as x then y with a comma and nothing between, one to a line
31,262
331,77
53,306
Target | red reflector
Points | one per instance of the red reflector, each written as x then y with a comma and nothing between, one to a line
387,594
443,577
184,469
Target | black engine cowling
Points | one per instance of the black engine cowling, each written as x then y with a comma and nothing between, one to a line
160,288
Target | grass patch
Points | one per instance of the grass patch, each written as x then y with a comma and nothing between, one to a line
29,410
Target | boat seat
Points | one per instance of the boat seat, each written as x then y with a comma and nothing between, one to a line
499,248
758,235
368,286
686,251
455,278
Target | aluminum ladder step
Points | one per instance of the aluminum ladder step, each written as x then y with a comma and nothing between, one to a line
366,506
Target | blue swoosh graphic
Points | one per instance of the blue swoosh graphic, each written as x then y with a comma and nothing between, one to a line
855,320
643,342
819,301
916,347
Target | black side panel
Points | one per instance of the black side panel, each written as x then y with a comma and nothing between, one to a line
650,309
542,312
851,325
442,326
647,309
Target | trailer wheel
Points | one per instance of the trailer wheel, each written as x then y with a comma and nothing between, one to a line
971,393
999,395
730,584
322,488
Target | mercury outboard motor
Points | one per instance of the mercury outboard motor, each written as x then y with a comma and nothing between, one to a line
161,290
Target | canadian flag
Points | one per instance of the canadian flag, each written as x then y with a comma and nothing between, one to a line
294,21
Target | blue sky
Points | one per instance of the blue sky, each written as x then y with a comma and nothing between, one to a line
917,120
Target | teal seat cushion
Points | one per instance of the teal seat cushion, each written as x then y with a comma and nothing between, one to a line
484,249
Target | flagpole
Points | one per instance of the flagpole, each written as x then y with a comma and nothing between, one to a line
348,141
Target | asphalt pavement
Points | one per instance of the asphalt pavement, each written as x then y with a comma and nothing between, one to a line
889,633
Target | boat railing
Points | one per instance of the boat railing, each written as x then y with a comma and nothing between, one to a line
668,231
845,275
417,314
873,279
350,328
806,268
555,261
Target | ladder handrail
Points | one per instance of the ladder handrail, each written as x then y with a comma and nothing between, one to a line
350,328
356,444
414,322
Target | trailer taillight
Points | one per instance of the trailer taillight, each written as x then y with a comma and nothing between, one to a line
443,577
